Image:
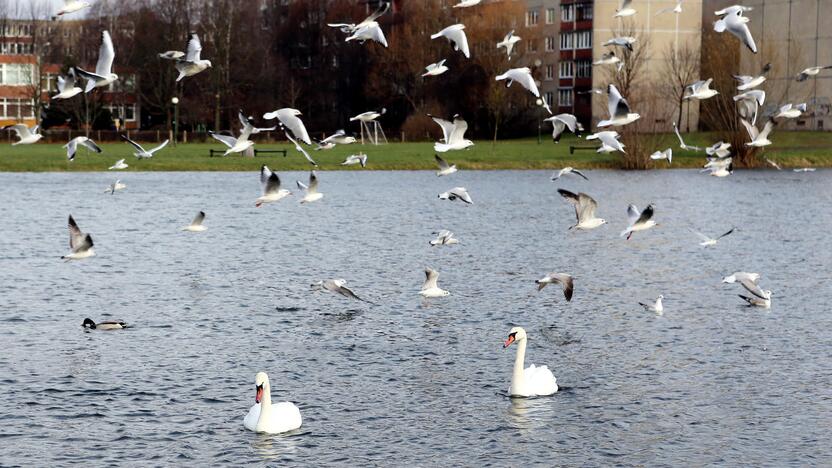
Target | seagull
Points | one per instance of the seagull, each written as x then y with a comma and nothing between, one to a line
625,10
467,3
624,41
609,141
444,237
72,146
658,308
737,24
676,9
719,149
271,187
453,134
700,90
733,9
80,244
435,69
740,276
749,103
750,82
563,279
103,75
108,325
708,241
562,122
508,42
192,64
115,186
619,109
760,298
585,207
312,193
66,86
196,225
522,76
27,135
789,111
235,145
338,138
773,164
337,286
721,167
171,55
288,118
71,6
368,116
666,154
430,288
368,29
300,149
353,159
141,152
568,170
811,71
639,221
759,138
609,58
456,193
804,169
119,165
682,142
456,35
444,167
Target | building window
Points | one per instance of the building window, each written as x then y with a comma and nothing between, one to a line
567,13
17,109
565,97
531,45
584,39
550,44
550,72
532,17
549,98
126,112
585,12
584,68
16,74
566,41
550,15
566,69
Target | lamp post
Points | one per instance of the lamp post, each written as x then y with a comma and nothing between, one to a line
539,103
175,102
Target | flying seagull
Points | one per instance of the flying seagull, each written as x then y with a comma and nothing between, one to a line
271,187
609,58
666,154
585,207
624,41
71,6
192,63
467,3
759,138
367,30
735,23
431,288
196,225
508,42
141,153
568,170
682,142
368,116
773,164
674,9
563,279
709,241
444,237
115,187
300,149
72,146
561,122
749,103
338,138
719,149
700,90
811,71
337,286
456,35
522,76
740,276
119,165
103,75
625,10
444,167
759,298
804,169
720,167
609,141
453,134
790,111
435,69
80,244
312,193
749,82
66,86
456,193
638,221
239,144
288,118
27,135
656,307
619,109
354,159
171,55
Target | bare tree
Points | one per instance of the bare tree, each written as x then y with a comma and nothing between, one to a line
680,68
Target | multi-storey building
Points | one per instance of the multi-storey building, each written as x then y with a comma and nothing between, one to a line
575,69
541,52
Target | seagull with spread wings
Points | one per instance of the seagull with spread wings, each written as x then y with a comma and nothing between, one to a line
457,193
508,42
564,280
682,142
639,220
192,63
562,122
27,135
141,153
72,146
197,224
568,170
521,75
431,288
453,134
312,193
455,34
444,167
288,118
103,75
367,30
585,207
735,23
618,108
81,244
709,241
271,187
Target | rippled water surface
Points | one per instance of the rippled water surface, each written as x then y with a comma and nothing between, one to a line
410,382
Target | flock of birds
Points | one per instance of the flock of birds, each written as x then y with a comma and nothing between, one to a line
525,381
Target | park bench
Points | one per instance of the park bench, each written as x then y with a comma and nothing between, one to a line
257,152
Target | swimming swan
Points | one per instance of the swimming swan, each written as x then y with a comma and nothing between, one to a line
532,381
268,418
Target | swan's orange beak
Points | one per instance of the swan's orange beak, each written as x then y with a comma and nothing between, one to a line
509,341
259,394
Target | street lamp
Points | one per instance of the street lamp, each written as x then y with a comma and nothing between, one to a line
175,102
539,103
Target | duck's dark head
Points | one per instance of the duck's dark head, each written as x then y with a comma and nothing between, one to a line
88,323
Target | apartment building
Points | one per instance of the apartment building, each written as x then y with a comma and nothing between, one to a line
541,52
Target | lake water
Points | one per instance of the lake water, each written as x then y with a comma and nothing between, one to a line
408,382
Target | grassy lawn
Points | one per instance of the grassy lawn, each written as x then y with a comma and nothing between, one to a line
790,149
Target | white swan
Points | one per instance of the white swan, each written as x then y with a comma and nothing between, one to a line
531,381
268,418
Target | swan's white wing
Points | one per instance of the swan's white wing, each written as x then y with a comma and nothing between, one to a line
228,141
194,49
106,55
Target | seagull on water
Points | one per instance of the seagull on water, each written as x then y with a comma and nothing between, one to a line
735,23
624,41
561,122
456,35
115,187
435,69
354,159
196,225
804,169
625,10
759,297
103,75
709,241
453,135
444,167
618,108
192,63
656,307
568,170
682,142
81,244
585,207
455,193
790,111
271,187
367,30
66,86
337,286
521,75
431,288
666,154
444,237
72,146
609,141
119,165
288,118
759,138
563,279
27,135
312,193
700,90
508,42
638,220
811,71
141,153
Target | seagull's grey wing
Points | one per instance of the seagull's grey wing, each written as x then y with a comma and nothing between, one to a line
200,217
459,128
462,194
557,129
133,143
382,9
71,147
301,185
700,235
767,129
75,234
586,206
753,288
645,215
633,214
89,144
752,130
228,141
265,173
569,196
575,171
614,100
741,31
194,49
86,244
21,130
164,143
313,182
566,283
300,149
446,126
106,55
441,162
727,233
569,120
431,278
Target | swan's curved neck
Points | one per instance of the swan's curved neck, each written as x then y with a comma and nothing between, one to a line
517,376
266,399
